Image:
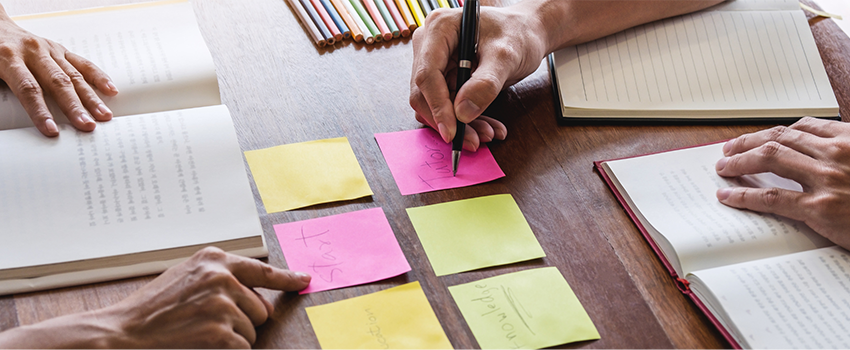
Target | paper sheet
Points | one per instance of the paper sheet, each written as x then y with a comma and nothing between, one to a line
303,174
474,233
342,250
530,309
395,318
421,162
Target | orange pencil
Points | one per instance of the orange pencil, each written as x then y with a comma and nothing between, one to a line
396,15
346,17
379,20
407,15
327,19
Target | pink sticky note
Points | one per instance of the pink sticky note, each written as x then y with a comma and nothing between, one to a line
421,162
342,250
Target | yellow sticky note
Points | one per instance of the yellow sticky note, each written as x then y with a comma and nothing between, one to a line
303,174
530,309
395,318
474,233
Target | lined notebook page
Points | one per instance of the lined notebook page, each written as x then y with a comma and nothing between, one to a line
712,60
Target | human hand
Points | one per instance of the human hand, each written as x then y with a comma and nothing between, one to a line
207,301
31,66
813,152
506,54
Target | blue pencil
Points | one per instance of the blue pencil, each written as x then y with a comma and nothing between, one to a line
346,33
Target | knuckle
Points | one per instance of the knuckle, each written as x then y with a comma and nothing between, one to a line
75,76
827,205
440,16
29,88
832,177
32,43
770,150
771,197
804,121
59,79
211,254
7,51
776,133
420,75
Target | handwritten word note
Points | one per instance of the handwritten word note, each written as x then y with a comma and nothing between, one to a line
303,174
530,309
474,233
342,250
421,162
395,318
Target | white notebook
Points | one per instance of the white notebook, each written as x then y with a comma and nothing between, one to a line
743,59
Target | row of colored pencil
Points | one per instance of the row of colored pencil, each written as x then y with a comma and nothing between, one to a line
331,21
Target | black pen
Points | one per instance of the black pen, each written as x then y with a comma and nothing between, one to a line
468,48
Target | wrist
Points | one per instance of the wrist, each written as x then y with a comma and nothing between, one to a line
82,330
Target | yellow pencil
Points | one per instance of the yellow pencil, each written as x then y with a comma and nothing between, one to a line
406,15
417,12
444,4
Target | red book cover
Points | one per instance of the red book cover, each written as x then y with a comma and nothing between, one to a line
681,283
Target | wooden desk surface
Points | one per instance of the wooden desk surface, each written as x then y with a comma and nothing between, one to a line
281,89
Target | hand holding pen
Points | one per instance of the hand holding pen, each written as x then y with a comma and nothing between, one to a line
506,54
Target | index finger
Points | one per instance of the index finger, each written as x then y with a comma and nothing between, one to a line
432,53
254,273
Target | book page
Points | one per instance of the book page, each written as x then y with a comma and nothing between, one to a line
675,193
135,184
793,301
721,63
757,5
153,52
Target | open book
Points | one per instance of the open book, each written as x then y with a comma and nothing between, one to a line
142,192
741,60
154,53
765,280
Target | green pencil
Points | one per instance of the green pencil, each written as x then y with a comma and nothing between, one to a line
366,18
387,17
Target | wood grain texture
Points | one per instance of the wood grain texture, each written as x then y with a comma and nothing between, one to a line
282,89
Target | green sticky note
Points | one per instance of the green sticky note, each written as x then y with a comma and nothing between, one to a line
474,233
530,309
395,318
303,174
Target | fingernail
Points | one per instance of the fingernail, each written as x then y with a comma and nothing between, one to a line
103,110
444,132
467,111
500,134
721,163
467,145
111,86
304,277
51,127
727,147
723,193
86,118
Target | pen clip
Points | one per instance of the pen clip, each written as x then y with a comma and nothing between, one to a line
477,24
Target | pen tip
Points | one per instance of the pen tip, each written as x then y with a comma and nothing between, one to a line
455,161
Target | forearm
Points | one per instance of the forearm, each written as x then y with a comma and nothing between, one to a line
570,22
83,330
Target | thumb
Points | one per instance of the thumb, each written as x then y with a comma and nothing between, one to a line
479,92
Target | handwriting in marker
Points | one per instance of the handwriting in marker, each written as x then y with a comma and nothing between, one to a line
375,329
342,250
324,269
421,162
